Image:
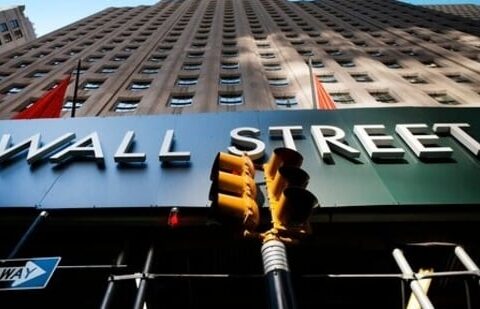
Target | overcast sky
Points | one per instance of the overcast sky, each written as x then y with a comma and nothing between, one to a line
50,15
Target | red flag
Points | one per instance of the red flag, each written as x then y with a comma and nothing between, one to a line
49,105
324,101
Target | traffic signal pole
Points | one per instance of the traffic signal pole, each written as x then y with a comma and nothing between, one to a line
277,275
233,199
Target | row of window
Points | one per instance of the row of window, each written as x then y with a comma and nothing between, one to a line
130,105
227,80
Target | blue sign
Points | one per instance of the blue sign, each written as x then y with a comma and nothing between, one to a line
355,157
26,274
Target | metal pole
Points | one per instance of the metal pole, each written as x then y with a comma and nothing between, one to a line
312,83
142,287
465,259
414,284
75,90
111,284
469,285
42,215
277,274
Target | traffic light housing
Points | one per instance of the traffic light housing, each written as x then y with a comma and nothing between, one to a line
233,191
290,203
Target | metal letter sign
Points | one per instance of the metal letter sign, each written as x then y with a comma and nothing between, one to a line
26,274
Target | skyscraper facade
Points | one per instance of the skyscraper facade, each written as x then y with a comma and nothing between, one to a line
183,57
15,28
123,212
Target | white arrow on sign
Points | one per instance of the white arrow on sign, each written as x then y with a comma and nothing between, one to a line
20,275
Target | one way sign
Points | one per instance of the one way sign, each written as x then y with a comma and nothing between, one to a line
21,274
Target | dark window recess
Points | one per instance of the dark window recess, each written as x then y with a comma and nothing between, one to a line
287,102
414,79
68,105
362,78
443,98
139,85
383,96
342,97
181,101
327,78
126,106
230,99
92,85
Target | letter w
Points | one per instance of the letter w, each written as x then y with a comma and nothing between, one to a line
35,152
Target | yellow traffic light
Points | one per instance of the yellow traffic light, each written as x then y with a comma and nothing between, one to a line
290,203
233,191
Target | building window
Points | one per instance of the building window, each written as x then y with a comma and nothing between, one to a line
342,98
287,101
195,54
414,79
443,98
129,48
23,64
360,43
92,85
346,63
267,55
375,53
157,58
93,58
305,53
229,53
327,78
56,61
18,34
139,85
278,82
361,77
150,70
7,38
14,24
230,80
181,101
126,106
272,67
14,89
73,52
334,52
431,64
408,52
108,70
119,58
68,105
3,75
230,66
3,27
317,64
383,96
458,78
187,81
192,66
81,71
230,99
38,74
106,49
392,65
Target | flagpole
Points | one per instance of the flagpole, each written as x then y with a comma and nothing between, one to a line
312,83
75,90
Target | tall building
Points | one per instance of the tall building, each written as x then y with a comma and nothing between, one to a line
471,11
251,55
123,212
15,28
